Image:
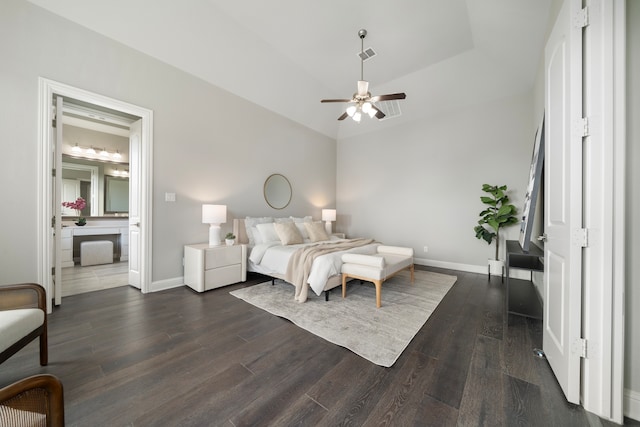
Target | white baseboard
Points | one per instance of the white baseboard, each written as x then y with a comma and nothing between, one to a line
163,285
471,268
631,404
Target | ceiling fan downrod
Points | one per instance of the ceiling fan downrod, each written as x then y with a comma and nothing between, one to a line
362,34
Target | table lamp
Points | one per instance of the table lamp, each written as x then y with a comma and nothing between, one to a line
214,215
328,215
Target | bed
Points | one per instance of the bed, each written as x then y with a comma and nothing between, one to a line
316,264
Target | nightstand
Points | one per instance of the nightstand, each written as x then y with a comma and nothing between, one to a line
209,267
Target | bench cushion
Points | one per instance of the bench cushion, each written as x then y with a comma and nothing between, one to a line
17,324
388,261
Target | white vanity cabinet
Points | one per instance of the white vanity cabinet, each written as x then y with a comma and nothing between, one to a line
67,247
209,267
116,231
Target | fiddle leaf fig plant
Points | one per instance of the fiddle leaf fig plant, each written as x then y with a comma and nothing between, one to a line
499,213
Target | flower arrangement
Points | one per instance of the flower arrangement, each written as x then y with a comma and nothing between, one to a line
78,205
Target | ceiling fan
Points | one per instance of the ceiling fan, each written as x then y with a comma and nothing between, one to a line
363,102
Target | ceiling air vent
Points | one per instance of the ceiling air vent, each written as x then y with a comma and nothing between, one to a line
390,108
367,54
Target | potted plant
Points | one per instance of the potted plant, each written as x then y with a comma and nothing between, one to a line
78,205
230,239
499,213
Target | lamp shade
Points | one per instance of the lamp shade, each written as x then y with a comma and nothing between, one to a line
328,214
214,214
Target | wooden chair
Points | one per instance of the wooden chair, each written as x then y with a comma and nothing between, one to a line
33,401
23,296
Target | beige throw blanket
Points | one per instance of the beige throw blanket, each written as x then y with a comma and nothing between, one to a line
301,261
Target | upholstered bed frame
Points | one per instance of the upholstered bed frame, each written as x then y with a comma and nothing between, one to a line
241,237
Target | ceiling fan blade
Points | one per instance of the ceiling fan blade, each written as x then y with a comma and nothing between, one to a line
343,116
379,113
336,100
388,97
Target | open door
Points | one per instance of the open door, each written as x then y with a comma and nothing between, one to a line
562,342
56,209
135,138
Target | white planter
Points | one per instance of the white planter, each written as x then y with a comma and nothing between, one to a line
229,242
495,267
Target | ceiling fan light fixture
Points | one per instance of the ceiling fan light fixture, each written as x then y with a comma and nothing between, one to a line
351,110
357,116
366,107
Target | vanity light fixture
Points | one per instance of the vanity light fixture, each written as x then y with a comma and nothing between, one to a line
214,215
90,153
328,215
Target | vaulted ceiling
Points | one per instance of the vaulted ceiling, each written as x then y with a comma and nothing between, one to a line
286,55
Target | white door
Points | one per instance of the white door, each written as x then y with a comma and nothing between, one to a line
563,201
135,138
57,205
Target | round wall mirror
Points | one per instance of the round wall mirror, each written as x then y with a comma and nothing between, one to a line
277,191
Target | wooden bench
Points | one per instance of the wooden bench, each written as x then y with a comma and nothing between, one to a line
376,268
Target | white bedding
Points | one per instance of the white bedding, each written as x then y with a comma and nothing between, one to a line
272,257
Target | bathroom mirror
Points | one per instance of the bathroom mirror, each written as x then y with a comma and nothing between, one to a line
95,181
116,195
277,191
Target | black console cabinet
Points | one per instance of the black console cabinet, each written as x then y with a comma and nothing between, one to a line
522,298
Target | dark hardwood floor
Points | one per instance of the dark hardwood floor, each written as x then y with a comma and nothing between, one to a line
181,358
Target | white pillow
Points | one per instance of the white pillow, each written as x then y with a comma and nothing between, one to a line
252,232
316,231
268,232
281,220
288,233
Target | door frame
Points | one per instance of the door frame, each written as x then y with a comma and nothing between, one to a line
46,90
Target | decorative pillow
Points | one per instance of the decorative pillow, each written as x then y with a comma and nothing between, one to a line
316,231
300,224
252,232
268,232
288,233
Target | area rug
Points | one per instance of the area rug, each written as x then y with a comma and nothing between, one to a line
380,335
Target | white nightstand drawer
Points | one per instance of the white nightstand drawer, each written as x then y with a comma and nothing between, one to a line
222,276
222,256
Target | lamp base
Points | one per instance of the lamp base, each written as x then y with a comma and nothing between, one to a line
214,235
327,226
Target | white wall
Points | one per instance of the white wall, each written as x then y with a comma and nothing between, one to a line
632,335
210,146
420,184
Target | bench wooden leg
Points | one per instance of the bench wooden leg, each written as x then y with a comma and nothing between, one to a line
411,273
344,285
378,284
44,349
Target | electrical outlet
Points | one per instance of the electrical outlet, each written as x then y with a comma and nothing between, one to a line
426,248
169,197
